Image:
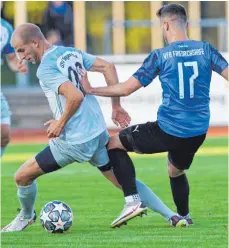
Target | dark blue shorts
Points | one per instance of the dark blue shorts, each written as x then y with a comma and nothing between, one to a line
46,161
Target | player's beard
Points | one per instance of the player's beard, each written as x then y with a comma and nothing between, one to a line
32,57
32,60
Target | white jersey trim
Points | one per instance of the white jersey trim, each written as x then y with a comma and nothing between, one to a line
49,51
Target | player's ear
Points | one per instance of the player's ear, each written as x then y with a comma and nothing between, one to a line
166,26
187,26
35,43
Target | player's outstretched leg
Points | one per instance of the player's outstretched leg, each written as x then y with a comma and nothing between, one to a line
27,191
125,173
180,191
153,202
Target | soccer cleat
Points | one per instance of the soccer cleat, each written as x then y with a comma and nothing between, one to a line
130,211
19,223
177,221
188,219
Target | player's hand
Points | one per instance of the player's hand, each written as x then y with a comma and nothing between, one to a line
120,116
22,67
85,82
54,129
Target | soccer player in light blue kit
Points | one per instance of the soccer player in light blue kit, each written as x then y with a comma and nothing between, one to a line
78,132
8,51
184,68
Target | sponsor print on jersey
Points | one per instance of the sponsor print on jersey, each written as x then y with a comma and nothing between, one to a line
70,64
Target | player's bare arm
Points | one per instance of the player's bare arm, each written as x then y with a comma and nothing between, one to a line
122,89
110,74
119,115
74,97
224,73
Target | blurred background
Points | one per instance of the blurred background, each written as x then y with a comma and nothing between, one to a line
120,32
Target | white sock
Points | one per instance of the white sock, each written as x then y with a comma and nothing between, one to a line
132,198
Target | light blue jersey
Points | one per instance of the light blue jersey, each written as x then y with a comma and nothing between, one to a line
5,111
62,64
5,36
6,48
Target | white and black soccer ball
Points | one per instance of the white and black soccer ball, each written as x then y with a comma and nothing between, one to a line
56,217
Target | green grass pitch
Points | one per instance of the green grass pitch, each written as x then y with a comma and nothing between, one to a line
96,202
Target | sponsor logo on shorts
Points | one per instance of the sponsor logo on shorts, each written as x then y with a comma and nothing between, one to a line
136,129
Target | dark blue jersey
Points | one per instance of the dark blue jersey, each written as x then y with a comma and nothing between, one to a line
184,69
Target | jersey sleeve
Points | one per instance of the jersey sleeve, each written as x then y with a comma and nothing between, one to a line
51,77
218,62
149,70
88,60
8,48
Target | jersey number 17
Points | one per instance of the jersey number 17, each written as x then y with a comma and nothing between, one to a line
191,79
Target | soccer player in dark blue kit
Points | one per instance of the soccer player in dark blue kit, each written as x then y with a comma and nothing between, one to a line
184,68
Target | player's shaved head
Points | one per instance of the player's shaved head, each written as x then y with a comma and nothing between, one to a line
27,32
29,43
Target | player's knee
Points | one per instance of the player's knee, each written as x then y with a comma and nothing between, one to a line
28,172
21,178
115,142
173,171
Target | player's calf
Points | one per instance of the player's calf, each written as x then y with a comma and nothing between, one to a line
27,191
179,186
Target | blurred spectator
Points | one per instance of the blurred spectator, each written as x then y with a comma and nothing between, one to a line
58,18
53,37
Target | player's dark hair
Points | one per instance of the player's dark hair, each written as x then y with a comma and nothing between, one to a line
173,9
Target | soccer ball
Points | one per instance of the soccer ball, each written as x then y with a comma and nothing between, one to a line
56,217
